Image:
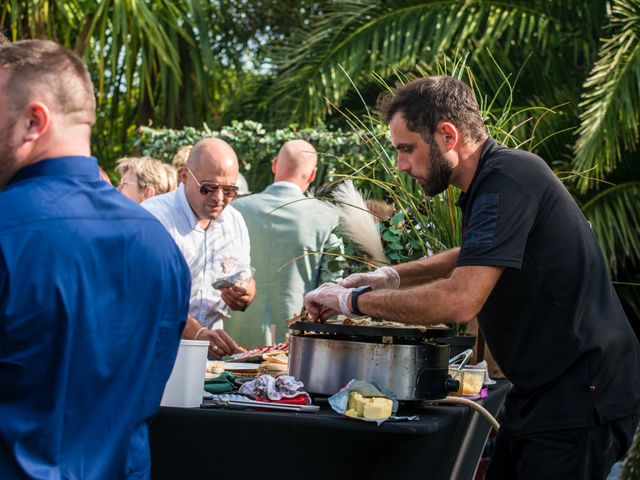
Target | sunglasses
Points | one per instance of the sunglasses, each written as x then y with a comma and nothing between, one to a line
207,188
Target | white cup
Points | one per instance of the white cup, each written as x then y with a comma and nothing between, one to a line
186,382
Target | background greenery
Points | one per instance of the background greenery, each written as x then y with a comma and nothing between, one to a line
177,63
288,65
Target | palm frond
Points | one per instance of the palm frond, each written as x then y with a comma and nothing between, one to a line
610,116
615,219
383,36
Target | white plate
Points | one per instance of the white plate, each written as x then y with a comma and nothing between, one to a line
240,367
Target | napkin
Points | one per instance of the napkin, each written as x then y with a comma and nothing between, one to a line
225,382
266,386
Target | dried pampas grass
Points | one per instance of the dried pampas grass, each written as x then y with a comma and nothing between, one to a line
357,222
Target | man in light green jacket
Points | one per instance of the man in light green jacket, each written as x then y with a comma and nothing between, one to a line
290,234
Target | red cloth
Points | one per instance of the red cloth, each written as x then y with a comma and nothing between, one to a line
302,399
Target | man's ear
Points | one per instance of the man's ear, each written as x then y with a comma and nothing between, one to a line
37,119
274,165
182,175
450,134
312,177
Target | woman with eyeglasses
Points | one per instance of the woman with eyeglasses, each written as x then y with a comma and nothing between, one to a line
144,177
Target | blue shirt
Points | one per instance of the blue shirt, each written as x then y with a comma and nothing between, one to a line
93,298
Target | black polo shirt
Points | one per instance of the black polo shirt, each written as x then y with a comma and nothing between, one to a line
553,321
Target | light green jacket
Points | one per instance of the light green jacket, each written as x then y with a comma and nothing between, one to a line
289,233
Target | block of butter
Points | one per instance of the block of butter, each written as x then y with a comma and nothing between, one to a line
373,408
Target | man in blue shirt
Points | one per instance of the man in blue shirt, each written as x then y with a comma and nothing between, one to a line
93,291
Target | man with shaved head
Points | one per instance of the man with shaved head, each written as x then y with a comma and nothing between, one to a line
213,238
289,235
85,347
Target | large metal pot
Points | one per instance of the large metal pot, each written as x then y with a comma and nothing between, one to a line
417,371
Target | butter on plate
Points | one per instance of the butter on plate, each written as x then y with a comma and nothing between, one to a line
373,408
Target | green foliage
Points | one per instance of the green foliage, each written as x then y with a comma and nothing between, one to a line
611,99
161,62
631,469
582,56
256,147
362,36
615,219
423,226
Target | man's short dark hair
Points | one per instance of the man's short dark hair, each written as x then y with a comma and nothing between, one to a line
425,102
3,39
44,68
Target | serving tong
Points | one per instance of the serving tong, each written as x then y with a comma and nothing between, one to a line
239,401
463,358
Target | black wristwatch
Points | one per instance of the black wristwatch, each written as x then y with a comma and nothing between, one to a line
355,293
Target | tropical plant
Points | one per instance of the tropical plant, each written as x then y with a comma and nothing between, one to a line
610,115
164,62
631,468
256,146
555,50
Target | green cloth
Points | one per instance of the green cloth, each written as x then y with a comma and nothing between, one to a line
289,233
225,382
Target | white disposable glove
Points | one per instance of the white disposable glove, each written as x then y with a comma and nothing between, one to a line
383,277
327,300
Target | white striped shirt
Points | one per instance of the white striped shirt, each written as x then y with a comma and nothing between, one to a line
220,250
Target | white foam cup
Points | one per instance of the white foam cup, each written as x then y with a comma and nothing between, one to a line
186,382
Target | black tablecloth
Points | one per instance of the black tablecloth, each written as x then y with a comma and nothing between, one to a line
219,443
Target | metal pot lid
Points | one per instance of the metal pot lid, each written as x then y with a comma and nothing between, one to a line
370,331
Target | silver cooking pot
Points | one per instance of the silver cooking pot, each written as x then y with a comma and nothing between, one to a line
417,371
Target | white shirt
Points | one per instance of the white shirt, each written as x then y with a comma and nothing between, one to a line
219,251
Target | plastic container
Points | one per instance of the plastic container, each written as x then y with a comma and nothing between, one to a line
471,379
186,382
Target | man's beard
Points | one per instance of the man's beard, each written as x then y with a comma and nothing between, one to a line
440,172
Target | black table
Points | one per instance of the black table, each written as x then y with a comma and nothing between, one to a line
219,443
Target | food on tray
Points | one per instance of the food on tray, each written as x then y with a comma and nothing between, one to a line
215,367
272,360
274,369
276,363
242,369
276,357
257,354
368,322
301,317
373,408
363,322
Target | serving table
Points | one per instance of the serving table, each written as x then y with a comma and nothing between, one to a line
203,443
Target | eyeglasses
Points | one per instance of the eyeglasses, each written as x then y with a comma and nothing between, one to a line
207,188
124,182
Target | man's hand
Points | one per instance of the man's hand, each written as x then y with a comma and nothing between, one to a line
380,278
236,297
220,343
327,300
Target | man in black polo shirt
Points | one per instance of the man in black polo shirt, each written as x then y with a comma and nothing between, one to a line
530,269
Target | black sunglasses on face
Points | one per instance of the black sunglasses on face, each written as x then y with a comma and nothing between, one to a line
207,188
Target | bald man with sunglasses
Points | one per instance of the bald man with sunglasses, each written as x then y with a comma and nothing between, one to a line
213,238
